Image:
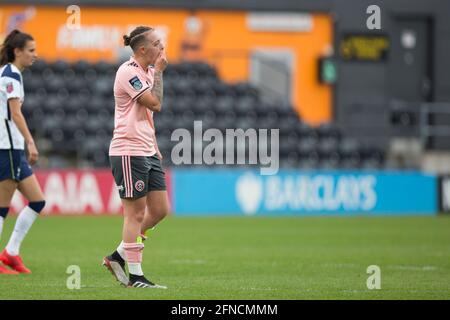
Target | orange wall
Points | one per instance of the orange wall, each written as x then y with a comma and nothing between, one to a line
227,31
227,43
49,20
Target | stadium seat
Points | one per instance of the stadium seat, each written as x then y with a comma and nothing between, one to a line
244,105
204,87
268,121
306,131
32,82
224,104
288,145
328,131
244,89
103,67
77,84
349,153
90,75
38,66
288,125
227,121
53,83
59,66
74,102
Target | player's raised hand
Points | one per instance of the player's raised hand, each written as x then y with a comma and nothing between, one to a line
33,153
161,62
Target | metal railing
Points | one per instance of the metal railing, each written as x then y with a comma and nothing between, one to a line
426,121
263,69
429,130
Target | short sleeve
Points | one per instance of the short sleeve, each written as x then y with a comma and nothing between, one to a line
11,88
132,83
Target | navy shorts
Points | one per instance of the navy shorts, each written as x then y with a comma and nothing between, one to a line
14,165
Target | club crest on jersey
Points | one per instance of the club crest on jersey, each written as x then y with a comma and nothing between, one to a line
9,87
136,83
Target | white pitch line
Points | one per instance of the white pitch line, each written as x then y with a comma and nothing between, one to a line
189,261
412,267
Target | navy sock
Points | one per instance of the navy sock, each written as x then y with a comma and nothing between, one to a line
37,206
4,212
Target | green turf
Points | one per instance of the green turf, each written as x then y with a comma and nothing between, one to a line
242,258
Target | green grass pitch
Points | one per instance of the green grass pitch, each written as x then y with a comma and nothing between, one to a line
242,258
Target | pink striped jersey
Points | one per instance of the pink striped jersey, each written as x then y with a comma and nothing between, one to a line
134,130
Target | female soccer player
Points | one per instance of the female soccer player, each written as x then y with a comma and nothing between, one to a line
17,53
134,155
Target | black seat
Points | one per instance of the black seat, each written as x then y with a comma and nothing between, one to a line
221,89
38,66
95,104
33,83
52,103
206,71
37,115
183,104
288,125
244,105
349,153
204,87
78,135
91,126
103,85
328,131
288,145
327,147
81,66
224,104
372,157
50,124
245,89
226,121
54,83
103,67
329,155
268,121
171,73
77,84
188,118
59,66
71,124
306,131
73,103
63,94
90,75
203,104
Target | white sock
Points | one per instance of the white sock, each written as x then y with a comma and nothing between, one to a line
135,268
23,224
1,226
121,251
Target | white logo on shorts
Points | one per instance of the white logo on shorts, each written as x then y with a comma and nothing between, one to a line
139,185
120,188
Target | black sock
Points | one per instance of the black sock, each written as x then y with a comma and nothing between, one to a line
116,256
